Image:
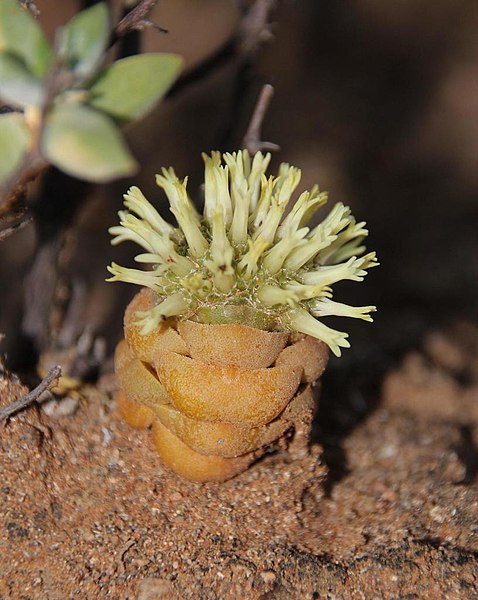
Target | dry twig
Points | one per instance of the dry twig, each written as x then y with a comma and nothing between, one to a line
50,380
7,232
136,20
254,28
252,140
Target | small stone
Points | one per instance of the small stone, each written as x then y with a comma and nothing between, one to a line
107,436
437,513
268,576
64,407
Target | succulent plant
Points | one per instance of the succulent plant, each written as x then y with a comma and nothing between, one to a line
224,344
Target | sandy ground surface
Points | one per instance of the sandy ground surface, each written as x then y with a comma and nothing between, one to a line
88,511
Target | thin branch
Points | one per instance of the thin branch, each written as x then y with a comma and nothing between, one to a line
252,140
7,232
136,20
50,380
254,28
13,190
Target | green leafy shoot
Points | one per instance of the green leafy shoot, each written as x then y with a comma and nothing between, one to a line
72,101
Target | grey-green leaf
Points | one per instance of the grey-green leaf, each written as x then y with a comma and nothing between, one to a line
131,86
86,144
21,35
17,85
84,39
14,140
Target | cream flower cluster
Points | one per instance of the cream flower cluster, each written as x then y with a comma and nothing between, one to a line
242,260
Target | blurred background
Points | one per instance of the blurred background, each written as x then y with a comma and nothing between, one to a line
375,101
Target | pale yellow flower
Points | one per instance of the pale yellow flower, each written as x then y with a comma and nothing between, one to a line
243,252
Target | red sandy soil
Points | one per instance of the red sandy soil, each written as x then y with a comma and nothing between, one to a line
88,511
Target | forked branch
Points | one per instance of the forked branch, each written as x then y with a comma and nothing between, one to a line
136,19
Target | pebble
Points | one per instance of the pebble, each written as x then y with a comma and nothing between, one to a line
268,576
64,407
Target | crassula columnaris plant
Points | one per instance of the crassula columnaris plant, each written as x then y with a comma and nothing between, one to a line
226,340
